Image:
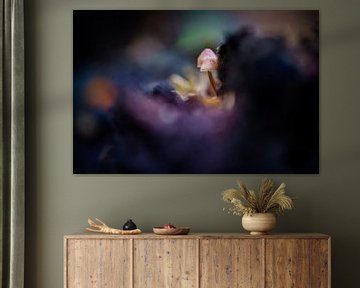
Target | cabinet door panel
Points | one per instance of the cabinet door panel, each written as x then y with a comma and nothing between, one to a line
231,263
98,263
287,263
319,263
166,263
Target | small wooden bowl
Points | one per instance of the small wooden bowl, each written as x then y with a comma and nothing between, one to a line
171,231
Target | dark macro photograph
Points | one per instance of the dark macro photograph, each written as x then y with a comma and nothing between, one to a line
195,92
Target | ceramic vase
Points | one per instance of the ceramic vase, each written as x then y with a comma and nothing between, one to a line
259,223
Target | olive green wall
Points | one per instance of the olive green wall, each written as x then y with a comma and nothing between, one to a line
59,202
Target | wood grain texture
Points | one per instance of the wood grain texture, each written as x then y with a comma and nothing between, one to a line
287,263
88,235
66,262
166,263
319,263
98,264
197,260
231,263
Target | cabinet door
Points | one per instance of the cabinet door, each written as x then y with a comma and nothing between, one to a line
287,263
98,263
231,263
319,263
165,263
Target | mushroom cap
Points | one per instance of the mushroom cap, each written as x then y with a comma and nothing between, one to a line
207,60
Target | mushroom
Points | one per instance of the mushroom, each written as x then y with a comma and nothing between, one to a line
208,62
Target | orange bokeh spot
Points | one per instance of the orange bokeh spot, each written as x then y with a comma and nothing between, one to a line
101,93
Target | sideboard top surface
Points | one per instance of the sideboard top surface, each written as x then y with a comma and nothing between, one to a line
86,235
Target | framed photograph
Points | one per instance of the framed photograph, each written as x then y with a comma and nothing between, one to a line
195,92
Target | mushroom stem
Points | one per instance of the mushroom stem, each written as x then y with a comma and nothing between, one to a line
212,82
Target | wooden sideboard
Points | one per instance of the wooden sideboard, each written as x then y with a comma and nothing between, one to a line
197,260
